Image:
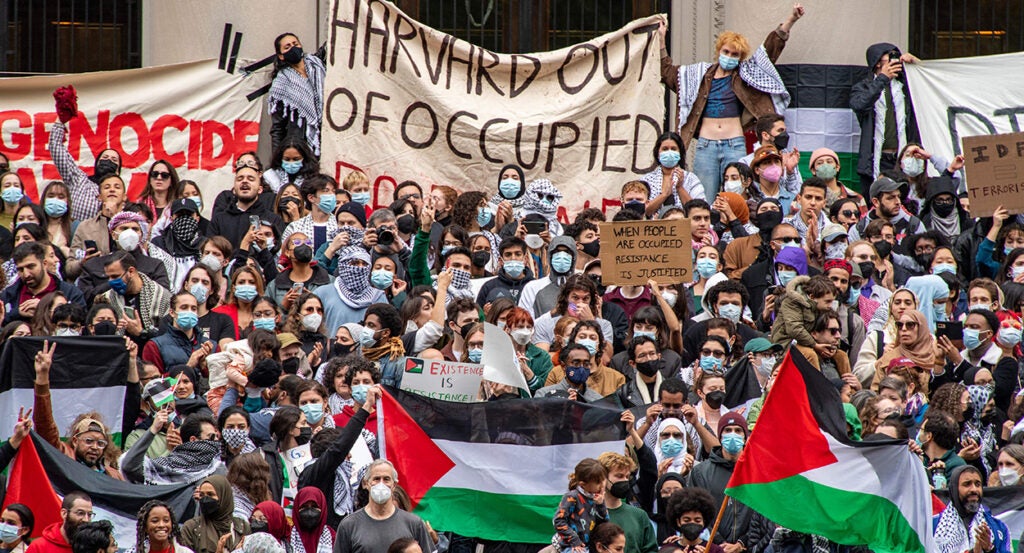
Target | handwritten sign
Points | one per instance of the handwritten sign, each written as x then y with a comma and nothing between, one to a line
633,252
459,382
995,173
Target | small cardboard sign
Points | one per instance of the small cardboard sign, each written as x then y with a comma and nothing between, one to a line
634,252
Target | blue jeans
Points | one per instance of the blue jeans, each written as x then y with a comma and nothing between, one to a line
710,159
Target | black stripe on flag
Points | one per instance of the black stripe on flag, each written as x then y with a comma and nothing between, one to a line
78,362
821,86
535,422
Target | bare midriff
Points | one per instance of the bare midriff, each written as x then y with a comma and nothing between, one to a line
720,128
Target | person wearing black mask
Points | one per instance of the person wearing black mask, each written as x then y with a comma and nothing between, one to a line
644,372
178,246
942,211
640,536
288,430
214,520
86,200
311,522
771,130
742,252
690,512
301,276
295,102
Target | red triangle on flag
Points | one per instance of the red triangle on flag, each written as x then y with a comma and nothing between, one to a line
30,486
787,439
417,459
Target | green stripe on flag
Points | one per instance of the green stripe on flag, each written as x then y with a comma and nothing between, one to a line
491,516
843,516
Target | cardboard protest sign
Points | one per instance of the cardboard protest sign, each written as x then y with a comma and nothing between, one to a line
404,101
633,252
444,380
995,173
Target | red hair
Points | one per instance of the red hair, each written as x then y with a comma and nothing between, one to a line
517,316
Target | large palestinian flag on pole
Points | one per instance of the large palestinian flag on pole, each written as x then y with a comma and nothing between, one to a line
494,470
41,475
801,471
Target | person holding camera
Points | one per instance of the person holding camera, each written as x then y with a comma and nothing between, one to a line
883,95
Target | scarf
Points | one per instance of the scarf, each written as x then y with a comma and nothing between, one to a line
189,462
183,239
353,282
337,403
680,458
277,523
321,538
927,289
392,348
757,71
532,203
301,100
346,476
460,287
221,522
691,184
977,430
784,536
921,351
896,87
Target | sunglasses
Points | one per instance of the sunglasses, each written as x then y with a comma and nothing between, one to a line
159,174
848,213
299,242
835,331
909,325
251,164
548,197
788,240
712,353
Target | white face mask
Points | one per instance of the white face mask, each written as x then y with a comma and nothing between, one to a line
534,241
1008,476
128,240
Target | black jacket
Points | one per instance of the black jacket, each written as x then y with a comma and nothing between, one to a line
321,472
233,223
93,280
713,475
10,295
862,101
503,286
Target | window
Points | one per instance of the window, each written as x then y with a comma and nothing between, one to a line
954,28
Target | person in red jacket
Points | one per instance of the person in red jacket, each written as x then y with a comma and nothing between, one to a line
75,510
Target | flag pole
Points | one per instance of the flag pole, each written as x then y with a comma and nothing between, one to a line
718,519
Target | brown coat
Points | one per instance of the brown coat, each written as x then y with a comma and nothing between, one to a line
740,254
755,103
603,380
42,418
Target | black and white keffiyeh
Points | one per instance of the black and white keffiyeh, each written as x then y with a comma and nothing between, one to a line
951,535
301,100
353,281
324,544
189,462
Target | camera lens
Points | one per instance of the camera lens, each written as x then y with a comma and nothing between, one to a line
385,237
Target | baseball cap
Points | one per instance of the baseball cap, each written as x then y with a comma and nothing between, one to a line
833,231
757,345
901,362
764,153
88,425
287,339
883,184
183,204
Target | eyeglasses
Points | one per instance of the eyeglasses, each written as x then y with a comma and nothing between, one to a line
712,353
848,213
548,197
242,163
943,202
909,325
296,242
413,196
72,326
91,442
159,175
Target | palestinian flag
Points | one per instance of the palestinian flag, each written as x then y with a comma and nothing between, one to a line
163,391
87,374
493,470
1006,504
853,493
41,475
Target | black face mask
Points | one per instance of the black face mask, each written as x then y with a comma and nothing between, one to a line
305,434
884,248
924,259
596,278
620,489
943,210
309,518
662,505
293,56
406,224
106,167
481,258
290,365
593,249
650,368
258,526
303,254
714,399
104,328
636,206
691,531
969,413
781,140
867,269
768,220
338,349
208,506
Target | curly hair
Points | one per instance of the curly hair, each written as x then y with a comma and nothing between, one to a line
592,325
947,400
464,209
576,282
250,473
688,500
213,296
293,323
335,365
867,414
359,364
141,537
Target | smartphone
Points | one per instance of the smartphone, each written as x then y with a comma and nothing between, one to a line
254,221
535,227
297,286
90,245
129,312
954,330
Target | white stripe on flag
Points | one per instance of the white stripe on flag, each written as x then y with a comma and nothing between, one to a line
67,403
516,469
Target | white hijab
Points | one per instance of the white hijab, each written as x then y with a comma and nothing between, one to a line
677,461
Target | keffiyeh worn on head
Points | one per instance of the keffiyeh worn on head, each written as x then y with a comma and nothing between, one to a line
261,542
189,462
976,429
184,239
536,201
127,216
353,282
953,534
301,99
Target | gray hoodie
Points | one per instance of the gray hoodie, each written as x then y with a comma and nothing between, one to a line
547,297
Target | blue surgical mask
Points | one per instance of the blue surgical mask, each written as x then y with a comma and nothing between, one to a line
509,188
483,216
446,249
265,323
245,292
670,447
1009,336
939,311
853,296
327,203
200,292
972,338
314,412
985,306
561,262
669,158
55,207
475,355
291,167
1007,250
728,63
187,320
197,200
732,443
359,392
118,285
940,268
8,532
12,195
591,345
361,198
706,267
647,333
382,279
710,363
366,338
514,269
785,276
730,311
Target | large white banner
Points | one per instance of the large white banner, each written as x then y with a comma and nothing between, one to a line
962,97
193,114
404,101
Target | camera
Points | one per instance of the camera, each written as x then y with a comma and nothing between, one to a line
385,237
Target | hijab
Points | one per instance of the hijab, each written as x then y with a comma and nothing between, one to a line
677,461
221,522
310,539
277,524
927,289
262,542
921,350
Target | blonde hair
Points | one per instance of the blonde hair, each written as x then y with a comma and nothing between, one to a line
615,461
354,178
736,40
636,186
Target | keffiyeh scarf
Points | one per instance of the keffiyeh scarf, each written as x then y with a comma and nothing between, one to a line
189,462
758,71
535,201
460,287
353,282
977,430
301,100
324,544
951,536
